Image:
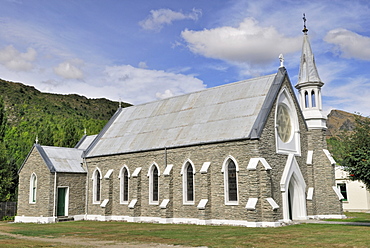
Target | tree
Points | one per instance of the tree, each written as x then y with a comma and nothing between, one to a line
3,120
8,176
356,151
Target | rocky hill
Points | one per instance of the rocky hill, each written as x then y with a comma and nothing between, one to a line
338,121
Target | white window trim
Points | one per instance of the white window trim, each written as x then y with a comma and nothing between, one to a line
121,188
224,170
184,183
150,175
94,185
294,144
33,188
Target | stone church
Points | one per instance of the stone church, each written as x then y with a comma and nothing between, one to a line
246,153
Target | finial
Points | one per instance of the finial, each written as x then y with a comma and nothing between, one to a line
85,131
281,58
120,103
37,139
305,30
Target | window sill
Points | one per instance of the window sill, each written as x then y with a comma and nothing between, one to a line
231,203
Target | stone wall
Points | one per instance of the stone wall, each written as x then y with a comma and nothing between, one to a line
326,201
44,193
76,183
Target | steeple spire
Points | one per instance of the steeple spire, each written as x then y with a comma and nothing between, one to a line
309,85
307,71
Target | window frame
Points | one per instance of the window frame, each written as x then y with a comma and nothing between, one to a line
293,145
151,184
97,177
124,184
225,171
33,189
345,195
185,182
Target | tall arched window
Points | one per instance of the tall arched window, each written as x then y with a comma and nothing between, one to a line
154,185
230,170
306,104
96,186
188,183
124,179
33,188
313,98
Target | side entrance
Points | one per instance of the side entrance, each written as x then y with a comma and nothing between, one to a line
62,204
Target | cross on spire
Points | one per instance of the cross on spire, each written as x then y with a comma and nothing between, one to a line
305,30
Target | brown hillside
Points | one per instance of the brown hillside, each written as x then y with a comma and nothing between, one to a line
338,121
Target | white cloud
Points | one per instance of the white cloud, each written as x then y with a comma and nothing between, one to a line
158,18
352,96
247,43
137,85
14,60
69,70
166,94
350,44
143,65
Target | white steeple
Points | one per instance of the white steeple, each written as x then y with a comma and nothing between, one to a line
309,86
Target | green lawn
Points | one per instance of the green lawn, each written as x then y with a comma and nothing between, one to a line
303,235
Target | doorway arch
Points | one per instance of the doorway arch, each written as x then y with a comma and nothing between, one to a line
293,187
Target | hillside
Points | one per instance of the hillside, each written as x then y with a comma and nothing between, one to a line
56,120
338,121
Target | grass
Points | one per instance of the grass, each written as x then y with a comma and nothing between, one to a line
303,235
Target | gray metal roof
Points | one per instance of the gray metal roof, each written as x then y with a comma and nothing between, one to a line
61,159
85,141
222,113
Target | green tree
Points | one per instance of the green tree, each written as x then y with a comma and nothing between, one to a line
71,137
356,151
3,120
8,176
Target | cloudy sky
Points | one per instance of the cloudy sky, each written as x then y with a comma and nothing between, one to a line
140,51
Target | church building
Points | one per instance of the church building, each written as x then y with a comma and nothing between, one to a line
246,153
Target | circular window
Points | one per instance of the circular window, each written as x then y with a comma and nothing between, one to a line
284,124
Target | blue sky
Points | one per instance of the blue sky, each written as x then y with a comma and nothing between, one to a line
144,50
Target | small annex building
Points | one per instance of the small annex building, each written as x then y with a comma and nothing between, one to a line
246,153
52,183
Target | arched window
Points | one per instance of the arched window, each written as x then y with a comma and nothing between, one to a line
188,183
124,182
230,170
306,104
153,185
33,188
313,98
96,186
